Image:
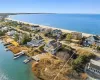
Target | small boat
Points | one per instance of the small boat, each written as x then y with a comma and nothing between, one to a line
19,54
16,57
27,60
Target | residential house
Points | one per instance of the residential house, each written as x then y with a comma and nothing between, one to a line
76,35
11,33
52,47
35,27
92,40
4,28
56,33
36,41
93,69
47,30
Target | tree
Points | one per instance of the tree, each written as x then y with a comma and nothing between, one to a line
68,37
2,33
25,39
98,48
16,37
41,47
79,63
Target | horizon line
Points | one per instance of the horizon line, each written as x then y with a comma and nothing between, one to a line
12,13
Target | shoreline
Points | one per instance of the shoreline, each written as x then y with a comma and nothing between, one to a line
44,26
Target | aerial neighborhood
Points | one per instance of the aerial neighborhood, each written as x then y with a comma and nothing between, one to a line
53,47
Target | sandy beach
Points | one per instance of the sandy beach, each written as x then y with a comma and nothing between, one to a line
44,26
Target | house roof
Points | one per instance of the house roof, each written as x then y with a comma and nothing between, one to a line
35,26
35,41
38,37
57,31
96,37
95,64
93,75
54,44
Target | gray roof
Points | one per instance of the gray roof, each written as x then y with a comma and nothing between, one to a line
35,26
96,37
54,43
91,74
38,37
57,31
95,65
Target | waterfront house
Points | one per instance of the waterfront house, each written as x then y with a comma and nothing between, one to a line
36,41
56,33
47,30
35,27
93,40
93,69
76,35
52,46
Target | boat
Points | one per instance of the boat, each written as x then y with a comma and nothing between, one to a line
20,53
16,57
27,60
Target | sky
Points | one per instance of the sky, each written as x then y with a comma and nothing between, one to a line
50,6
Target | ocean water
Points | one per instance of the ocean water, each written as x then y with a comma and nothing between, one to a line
13,69
88,23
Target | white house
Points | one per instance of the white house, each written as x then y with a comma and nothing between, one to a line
35,27
4,28
93,69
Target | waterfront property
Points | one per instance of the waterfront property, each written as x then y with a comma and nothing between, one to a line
93,40
93,69
35,27
52,46
76,35
36,41
56,33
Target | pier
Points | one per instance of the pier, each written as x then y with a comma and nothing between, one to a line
18,55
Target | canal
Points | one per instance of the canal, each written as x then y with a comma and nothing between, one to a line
13,69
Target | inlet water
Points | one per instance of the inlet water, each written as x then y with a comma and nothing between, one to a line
13,69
